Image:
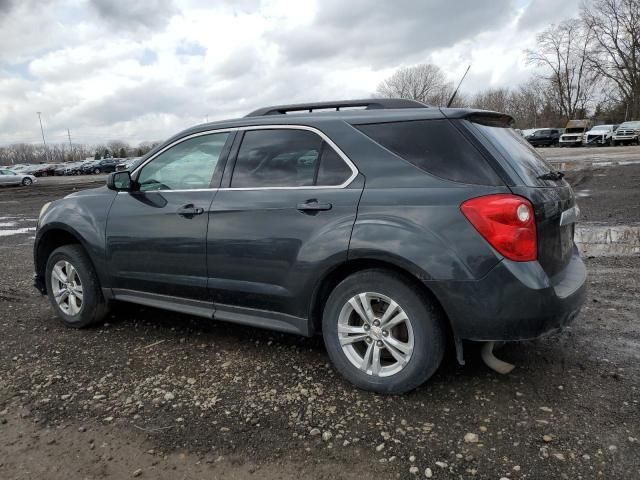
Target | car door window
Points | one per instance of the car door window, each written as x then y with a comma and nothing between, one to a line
188,165
287,158
332,169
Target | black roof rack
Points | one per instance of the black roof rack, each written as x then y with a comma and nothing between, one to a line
367,104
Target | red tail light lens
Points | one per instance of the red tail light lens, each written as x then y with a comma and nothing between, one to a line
506,222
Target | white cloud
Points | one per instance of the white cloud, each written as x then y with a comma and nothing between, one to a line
143,70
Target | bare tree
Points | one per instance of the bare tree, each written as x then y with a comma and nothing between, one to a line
562,50
616,53
425,83
495,99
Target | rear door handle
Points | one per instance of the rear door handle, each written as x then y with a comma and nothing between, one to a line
313,206
190,210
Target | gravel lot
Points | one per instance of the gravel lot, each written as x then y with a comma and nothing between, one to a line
152,394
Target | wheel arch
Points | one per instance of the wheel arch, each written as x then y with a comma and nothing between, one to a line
52,238
333,277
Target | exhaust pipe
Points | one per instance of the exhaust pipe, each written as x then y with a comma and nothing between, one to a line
494,363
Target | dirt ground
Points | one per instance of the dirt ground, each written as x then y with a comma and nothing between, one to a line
152,394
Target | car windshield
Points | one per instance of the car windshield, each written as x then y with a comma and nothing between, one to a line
602,127
518,152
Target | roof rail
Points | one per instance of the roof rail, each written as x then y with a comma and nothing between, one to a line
367,104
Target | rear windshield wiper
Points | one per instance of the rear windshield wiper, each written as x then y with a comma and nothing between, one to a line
551,176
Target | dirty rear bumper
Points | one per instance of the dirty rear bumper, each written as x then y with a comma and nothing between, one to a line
514,301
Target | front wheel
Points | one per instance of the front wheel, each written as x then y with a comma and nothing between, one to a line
381,334
27,181
96,171
73,287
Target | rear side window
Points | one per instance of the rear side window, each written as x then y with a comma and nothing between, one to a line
287,158
436,147
524,159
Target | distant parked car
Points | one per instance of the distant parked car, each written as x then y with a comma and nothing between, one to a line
43,169
627,132
600,135
106,165
574,133
68,168
545,137
9,177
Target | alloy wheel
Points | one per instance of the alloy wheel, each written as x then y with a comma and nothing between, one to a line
375,334
66,287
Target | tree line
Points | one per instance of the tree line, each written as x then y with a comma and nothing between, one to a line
588,66
58,153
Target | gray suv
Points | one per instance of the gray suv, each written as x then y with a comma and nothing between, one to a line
388,227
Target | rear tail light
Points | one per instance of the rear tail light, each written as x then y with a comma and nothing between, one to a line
506,222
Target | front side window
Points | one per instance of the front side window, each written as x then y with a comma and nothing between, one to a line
287,158
188,165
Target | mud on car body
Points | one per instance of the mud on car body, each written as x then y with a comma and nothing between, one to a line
389,227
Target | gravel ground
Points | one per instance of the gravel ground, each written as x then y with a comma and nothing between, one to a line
161,395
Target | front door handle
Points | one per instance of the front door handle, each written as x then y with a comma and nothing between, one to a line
313,206
190,210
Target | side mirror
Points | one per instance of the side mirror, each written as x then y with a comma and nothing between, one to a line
120,181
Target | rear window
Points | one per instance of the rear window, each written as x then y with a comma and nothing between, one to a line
436,147
518,152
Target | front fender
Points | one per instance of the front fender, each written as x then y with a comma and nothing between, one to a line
83,216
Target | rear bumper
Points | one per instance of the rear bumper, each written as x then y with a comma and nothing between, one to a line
514,301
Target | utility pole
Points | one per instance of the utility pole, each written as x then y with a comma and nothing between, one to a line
44,142
70,146
207,116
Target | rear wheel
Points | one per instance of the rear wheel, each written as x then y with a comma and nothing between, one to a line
26,181
96,171
381,334
73,287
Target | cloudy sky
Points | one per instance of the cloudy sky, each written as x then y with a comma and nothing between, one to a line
135,71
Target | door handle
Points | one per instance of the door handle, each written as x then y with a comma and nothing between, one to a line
188,211
313,206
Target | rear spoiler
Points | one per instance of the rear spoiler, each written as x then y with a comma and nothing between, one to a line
483,117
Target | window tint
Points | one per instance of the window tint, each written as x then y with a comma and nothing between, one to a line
185,166
518,152
436,147
332,170
286,158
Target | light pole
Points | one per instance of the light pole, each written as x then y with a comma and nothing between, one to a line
44,142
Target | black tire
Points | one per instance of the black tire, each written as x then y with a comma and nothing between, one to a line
27,181
96,171
94,307
426,323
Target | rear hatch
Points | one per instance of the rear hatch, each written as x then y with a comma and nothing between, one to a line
530,176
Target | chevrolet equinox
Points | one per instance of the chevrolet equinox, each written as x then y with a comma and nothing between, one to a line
389,227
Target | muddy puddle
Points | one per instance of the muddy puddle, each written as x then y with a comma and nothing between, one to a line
601,240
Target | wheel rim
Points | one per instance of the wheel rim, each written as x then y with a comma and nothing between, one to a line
375,334
66,287
27,181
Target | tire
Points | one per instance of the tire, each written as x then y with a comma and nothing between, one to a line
424,325
96,171
26,182
92,308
